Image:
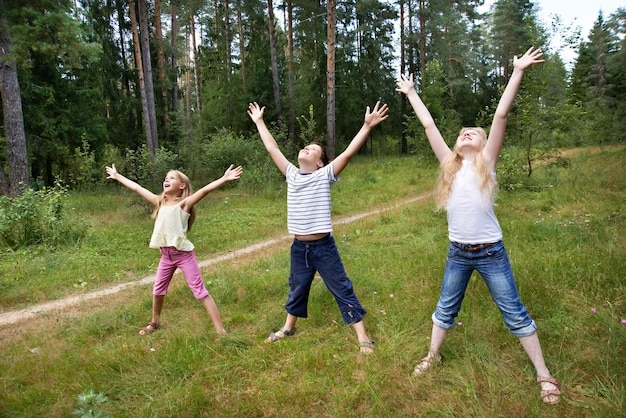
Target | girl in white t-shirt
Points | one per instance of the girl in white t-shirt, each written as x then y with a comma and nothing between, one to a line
466,190
174,213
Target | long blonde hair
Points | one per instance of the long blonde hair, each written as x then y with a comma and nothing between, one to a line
187,191
452,164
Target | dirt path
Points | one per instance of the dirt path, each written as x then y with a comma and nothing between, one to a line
71,302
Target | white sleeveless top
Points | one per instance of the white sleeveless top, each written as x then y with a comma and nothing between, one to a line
471,218
170,229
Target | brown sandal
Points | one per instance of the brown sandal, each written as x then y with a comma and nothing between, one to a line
552,396
150,328
426,363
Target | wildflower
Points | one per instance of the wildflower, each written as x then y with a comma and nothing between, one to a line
391,295
593,310
459,323
623,321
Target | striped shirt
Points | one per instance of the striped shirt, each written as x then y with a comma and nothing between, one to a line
308,200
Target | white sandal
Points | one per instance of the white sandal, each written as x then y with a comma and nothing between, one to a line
426,363
279,335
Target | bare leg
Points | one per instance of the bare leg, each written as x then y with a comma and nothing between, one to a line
438,335
290,322
214,314
533,349
157,308
288,329
365,342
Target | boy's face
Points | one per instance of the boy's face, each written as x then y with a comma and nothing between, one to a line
312,153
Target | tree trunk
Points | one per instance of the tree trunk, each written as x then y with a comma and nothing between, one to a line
174,56
194,49
142,88
404,147
274,57
228,60
291,79
422,38
242,55
147,72
331,7
188,83
158,33
17,157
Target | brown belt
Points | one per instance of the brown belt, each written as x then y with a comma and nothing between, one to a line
472,248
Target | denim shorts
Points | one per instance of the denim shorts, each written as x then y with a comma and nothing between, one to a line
308,257
492,263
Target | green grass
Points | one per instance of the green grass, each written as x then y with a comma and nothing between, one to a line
566,246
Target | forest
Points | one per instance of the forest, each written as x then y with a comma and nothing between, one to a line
153,85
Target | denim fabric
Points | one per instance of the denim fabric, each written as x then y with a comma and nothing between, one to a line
493,265
321,256
171,259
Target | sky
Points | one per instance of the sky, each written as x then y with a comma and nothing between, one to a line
582,13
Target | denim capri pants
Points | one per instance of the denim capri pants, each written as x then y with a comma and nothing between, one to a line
322,256
492,262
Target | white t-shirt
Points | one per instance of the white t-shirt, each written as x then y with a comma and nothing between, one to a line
471,218
308,200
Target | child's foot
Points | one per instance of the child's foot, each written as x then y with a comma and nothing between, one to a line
426,363
150,328
550,392
279,335
366,347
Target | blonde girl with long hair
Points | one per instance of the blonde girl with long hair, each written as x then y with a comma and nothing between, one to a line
466,189
174,214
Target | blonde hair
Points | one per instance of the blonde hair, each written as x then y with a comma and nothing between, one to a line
187,191
452,164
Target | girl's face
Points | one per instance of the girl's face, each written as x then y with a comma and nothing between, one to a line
471,138
172,184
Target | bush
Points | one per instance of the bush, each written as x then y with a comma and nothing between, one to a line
214,154
38,217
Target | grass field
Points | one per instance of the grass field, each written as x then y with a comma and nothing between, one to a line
564,236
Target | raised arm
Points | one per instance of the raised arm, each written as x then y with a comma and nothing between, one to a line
372,118
256,114
229,175
437,143
131,185
498,126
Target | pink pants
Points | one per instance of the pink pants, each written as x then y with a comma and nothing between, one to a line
171,259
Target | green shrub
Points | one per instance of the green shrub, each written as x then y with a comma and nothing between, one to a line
38,217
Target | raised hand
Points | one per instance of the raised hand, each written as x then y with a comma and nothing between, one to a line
377,115
531,57
255,112
112,172
405,85
232,173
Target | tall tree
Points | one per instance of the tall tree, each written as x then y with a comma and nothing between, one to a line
17,159
330,77
158,34
274,55
150,140
147,74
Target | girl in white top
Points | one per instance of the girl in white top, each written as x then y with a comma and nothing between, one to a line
174,210
466,190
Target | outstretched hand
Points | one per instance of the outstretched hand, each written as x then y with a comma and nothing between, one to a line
111,171
232,173
377,115
405,85
255,112
531,57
